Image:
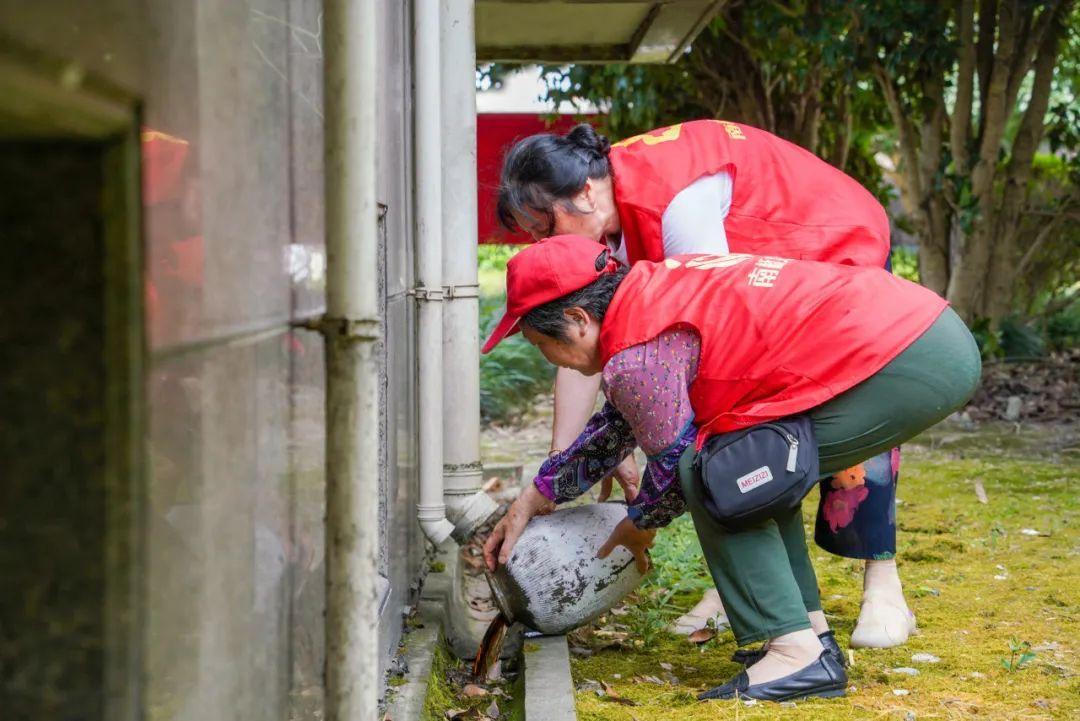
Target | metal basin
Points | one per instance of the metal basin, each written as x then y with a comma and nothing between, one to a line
553,581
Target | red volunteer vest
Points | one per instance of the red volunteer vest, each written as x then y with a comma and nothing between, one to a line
778,336
786,201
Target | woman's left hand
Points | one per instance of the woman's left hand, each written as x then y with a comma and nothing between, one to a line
633,539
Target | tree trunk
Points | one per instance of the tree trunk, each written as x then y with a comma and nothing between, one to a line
934,247
967,285
1004,264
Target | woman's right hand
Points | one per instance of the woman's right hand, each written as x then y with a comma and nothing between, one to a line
507,531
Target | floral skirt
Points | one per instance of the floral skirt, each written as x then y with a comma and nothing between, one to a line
857,512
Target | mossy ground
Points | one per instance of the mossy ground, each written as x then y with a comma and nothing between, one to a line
975,581
448,676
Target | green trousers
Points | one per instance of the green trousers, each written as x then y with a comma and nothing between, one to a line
764,574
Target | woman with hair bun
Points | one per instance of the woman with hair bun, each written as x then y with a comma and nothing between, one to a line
713,186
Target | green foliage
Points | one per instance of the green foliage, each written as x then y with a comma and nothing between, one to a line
678,571
1050,272
1020,655
1062,329
494,257
514,372
1019,340
905,263
1063,116
819,73
678,563
1012,339
784,67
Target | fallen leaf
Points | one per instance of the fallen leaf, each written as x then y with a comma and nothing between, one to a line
474,691
980,492
701,635
456,713
613,695
666,666
493,710
613,635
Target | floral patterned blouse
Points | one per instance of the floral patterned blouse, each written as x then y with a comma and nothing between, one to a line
647,405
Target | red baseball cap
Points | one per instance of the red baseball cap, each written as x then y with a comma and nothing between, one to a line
544,272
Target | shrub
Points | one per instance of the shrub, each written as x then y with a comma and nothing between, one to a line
905,263
514,372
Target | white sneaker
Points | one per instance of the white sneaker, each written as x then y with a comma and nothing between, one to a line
882,624
698,617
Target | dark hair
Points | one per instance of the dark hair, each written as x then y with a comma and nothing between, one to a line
550,318
545,169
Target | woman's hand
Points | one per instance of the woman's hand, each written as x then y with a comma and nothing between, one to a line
501,542
626,473
633,539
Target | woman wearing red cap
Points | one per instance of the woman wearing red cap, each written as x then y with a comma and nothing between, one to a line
712,186
699,345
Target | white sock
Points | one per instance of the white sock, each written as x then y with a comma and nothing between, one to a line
882,581
787,654
884,620
818,622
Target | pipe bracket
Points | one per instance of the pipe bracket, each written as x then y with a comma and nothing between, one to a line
424,293
450,292
349,329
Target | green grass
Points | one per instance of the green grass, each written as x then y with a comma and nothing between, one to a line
448,676
951,548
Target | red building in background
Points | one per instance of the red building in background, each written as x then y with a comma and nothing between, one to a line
495,133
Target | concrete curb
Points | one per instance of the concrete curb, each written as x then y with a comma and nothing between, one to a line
407,703
549,690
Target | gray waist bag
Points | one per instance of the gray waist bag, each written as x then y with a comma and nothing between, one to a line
755,473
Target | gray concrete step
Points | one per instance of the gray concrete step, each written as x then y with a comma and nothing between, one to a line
549,690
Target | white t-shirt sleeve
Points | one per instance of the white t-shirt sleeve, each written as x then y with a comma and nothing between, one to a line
694,220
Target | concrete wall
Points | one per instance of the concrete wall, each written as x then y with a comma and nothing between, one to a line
231,524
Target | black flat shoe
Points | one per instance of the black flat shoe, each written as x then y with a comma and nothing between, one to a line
824,678
749,656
